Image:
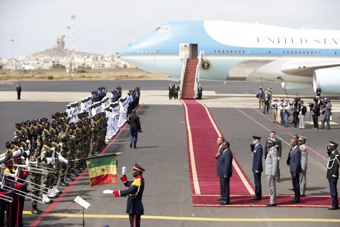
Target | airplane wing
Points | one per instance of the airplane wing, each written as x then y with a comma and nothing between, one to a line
306,68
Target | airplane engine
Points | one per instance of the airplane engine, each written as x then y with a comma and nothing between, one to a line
328,80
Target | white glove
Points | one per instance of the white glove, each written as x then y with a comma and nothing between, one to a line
53,160
48,160
108,191
124,170
29,144
62,159
27,153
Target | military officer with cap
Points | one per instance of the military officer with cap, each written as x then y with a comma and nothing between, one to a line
333,173
271,170
135,191
304,160
257,150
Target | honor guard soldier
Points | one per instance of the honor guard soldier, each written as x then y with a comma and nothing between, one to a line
333,173
271,170
18,131
135,191
257,169
46,159
304,160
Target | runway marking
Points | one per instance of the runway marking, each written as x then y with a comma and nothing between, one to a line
191,152
246,92
237,168
201,219
45,213
287,132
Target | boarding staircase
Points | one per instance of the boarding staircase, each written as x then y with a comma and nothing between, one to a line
190,77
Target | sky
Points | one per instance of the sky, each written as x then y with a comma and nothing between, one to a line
107,26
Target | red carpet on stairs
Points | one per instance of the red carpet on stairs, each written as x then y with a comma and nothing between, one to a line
202,134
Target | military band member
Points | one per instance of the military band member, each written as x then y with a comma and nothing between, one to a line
18,131
295,169
304,160
271,170
257,150
134,192
333,173
46,160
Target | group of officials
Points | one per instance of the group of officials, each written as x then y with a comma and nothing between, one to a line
297,161
44,153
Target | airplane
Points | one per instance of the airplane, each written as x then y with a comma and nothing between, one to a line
27,67
298,58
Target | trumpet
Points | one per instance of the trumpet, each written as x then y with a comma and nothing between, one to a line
35,168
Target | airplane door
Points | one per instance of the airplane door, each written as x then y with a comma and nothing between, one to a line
192,49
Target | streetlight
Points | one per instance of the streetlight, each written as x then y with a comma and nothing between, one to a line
12,40
73,17
68,48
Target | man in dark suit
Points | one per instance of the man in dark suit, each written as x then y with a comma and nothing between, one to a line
134,206
278,146
295,169
257,169
219,142
316,111
134,128
333,173
18,88
225,171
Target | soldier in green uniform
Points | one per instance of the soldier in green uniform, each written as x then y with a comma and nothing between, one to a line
63,137
71,153
17,131
34,134
54,191
46,160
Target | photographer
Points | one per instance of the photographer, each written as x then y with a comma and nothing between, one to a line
295,109
316,111
302,113
326,113
274,109
286,112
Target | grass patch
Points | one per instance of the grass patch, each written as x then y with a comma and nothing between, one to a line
49,77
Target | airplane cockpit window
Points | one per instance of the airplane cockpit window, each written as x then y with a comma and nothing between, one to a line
163,29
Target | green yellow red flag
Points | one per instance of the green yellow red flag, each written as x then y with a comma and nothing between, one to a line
102,169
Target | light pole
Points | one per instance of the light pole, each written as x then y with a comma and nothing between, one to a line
12,40
68,48
73,17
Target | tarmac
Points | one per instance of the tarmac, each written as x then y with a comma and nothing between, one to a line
162,151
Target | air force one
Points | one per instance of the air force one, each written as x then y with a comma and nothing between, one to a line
298,58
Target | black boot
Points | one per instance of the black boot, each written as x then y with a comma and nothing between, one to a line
63,183
35,210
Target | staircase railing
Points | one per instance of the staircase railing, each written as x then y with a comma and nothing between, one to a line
198,71
184,66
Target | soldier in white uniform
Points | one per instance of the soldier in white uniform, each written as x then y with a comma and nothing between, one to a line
304,160
271,170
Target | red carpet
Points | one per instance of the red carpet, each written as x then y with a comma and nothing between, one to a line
202,134
202,160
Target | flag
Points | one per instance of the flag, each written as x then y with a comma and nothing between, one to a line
102,170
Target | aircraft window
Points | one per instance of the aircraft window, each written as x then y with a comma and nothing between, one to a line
215,51
248,52
141,52
299,52
239,51
243,52
295,52
154,51
150,51
227,51
235,52
137,51
222,51
146,51
219,51
319,52
307,52
163,28
284,52
311,52
303,52
292,52
270,52
157,51
158,28
336,53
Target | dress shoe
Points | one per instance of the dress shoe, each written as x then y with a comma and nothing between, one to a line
225,203
63,183
278,180
130,144
271,204
220,198
256,198
303,195
69,178
35,210
294,201
333,208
